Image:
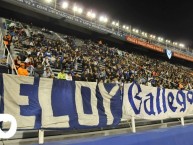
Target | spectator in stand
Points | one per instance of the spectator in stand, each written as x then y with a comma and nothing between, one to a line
62,75
48,73
39,70
99,62
48,54
22,71
76,77
69,76
17,61
7,41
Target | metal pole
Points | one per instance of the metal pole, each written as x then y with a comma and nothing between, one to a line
55,4
118,26
182,121
41,136
133,124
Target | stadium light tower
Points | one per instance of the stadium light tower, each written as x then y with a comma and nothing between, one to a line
65,5
48,1
103,19
167,42
181,45
160,39
127,28
135,30
91,15
144,34
115,24
77,9
175,43
54,2
152,36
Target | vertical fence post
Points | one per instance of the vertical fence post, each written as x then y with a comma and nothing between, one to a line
133,124
41,136
182,121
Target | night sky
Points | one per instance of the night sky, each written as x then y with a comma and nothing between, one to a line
165,18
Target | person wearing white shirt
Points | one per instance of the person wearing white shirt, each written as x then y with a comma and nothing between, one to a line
69,77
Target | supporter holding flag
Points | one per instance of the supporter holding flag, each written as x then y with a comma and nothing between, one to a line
7,41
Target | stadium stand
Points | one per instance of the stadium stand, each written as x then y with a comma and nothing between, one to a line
45,53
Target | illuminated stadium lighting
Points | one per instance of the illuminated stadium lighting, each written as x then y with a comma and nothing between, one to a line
77,9
80,10
152,36
125,27
168,41
103,19
91,15
144,34
135,30
48,1
175,43
181,45
64,5
160,39
114,23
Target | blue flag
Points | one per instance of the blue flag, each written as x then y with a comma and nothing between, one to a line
169,53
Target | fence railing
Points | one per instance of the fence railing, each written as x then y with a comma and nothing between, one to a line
4,48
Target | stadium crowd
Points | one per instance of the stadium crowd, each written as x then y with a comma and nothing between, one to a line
39,55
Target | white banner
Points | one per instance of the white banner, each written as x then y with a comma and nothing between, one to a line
155,103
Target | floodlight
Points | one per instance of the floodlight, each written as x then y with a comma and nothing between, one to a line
135,30
144,34
160,39
175,43
75,8
181,45
103,19
64,5
93,15
48,1
90,14
152,36
80,10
